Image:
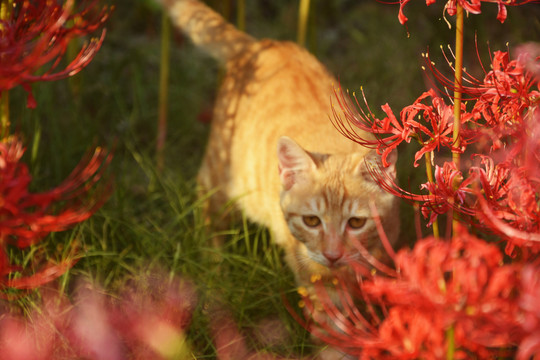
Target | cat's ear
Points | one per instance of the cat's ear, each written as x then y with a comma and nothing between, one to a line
373,165
294,162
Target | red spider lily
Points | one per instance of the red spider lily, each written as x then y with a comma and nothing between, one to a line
448,192
461,284
502,99
471,6
434,132
35,35
26,218
508,200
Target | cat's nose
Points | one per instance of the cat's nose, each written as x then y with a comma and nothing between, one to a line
333,256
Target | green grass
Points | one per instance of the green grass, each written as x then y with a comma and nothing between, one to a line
153,220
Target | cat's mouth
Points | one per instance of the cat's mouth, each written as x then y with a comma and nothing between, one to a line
330,265
336,265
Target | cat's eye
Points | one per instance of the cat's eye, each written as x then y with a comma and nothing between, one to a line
311,220
356,222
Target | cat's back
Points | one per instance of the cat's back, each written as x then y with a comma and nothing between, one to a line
272,89
278,88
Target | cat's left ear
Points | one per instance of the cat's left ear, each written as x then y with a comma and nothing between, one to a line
373,164
294,162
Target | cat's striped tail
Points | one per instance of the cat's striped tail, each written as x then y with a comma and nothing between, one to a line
207,29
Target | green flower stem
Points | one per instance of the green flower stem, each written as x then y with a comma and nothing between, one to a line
163,89
451,344
458,86
457,97
241,15
5,10
4,114
303,16
5,13
429,173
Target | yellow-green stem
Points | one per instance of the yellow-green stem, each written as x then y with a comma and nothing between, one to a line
241,15
451,344
458,91
457,97
5,13
429,173
163,89
303,16
5,10
4,114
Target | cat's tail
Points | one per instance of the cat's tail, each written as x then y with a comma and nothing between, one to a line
207,29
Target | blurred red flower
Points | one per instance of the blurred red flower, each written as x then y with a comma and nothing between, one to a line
26,218
147,321
34,37
530,282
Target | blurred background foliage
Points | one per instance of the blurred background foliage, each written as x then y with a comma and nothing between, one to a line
153,218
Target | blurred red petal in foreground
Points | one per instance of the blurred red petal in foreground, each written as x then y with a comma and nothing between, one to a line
136,323
461,285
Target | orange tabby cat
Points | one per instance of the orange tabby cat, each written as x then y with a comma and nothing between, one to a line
273,149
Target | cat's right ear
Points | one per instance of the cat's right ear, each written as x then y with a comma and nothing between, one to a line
373,164
293,162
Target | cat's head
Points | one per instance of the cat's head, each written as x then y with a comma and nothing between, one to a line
326,203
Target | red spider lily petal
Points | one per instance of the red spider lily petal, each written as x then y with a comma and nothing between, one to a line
25,218
38,33
472,6
371,128
42,276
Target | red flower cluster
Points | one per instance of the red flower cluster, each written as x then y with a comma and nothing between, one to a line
34,37
25,217
462,285
430,124
471,6
501,131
